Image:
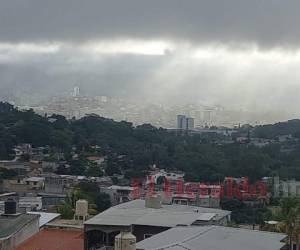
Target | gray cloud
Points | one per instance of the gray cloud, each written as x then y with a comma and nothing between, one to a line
263,22
230,71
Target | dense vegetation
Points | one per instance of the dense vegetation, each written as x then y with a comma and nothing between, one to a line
288,215
98,202
269,131
131,150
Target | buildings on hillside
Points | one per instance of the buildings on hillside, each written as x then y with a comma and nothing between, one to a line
23,186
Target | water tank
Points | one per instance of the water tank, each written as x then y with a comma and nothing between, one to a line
10,207
81,208
125,241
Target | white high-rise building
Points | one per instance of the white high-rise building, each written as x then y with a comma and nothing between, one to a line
76,91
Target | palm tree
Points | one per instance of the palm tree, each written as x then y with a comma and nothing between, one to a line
289,215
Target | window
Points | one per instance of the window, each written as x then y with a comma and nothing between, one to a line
146,236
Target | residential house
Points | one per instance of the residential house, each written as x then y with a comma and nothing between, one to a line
145,218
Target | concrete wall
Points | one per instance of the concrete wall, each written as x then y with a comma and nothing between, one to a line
18,237
14,186
29,230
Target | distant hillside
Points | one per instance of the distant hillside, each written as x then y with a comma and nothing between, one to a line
131,150
271,131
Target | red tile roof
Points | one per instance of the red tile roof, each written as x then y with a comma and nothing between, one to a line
54,239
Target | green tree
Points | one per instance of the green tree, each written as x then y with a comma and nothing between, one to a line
65,210
289,217
102,201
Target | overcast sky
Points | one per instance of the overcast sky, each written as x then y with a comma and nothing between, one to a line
237,53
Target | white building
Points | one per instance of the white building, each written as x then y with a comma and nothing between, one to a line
118,194
76,91
290,188
171,176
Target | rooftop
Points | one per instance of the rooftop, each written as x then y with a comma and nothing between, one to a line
35,178
135,213
58,239
214,238
65,223
7,194
45,217
125,188
9,224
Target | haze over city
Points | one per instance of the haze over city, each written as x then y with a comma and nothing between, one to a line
242,55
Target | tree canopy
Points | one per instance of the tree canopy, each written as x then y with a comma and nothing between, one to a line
131,150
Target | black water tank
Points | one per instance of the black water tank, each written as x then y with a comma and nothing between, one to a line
10,207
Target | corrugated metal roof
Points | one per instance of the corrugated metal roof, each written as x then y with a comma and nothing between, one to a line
45,217
135,213
212,238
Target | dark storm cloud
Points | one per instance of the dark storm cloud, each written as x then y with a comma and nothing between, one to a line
264,22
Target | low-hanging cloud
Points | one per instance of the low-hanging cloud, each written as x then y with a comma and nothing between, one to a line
266,23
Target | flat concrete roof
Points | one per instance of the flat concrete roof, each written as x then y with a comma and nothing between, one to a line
135,213
58,239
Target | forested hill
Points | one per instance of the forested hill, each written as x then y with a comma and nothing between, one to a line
142,146
271,131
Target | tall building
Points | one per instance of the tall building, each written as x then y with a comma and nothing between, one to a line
181,120
185,123
190,123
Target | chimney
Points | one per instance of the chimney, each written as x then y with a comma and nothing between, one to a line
153,201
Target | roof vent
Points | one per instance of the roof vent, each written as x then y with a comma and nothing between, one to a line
153,201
